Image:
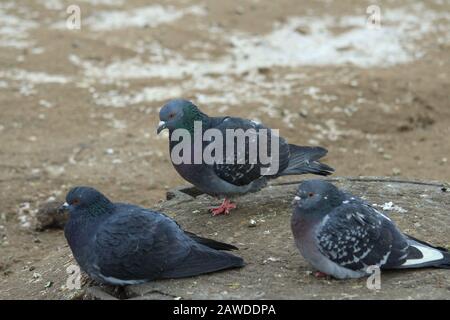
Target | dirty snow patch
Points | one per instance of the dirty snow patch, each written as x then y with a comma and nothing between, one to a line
150,16
33,77
329,40
104,2
14,30
114,98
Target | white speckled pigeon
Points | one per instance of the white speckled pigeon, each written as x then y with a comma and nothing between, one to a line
341,235
121,244
232,179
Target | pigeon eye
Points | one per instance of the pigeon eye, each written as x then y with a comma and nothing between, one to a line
75,201
172,115
310,194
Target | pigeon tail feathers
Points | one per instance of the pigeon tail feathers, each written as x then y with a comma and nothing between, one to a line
305,160
422,254
445,263
202,260
211,243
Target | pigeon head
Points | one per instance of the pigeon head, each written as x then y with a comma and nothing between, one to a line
86,200
317,196
179,114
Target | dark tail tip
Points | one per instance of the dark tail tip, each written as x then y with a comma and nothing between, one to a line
211,243
239,262
319,168
305,160
445,263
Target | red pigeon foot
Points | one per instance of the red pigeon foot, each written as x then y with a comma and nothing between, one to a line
224,208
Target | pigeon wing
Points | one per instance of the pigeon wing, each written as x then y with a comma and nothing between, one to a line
205,241
247,171
356,236
139,244
210,242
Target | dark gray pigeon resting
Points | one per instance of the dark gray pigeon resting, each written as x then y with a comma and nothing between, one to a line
341,235
121,244
226,180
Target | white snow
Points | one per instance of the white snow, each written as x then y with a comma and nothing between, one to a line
234,79
115,99
14,30
150,16
389,206
33,77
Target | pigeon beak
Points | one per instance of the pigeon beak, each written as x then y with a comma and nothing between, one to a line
296,200
161,126
63,207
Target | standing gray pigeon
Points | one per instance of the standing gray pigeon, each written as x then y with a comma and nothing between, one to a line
232,179
121,244
341,235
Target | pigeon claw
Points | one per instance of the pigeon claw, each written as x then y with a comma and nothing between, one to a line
224,208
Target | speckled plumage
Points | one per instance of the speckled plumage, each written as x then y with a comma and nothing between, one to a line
342,235
224,179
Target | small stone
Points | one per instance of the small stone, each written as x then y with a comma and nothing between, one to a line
271,259
387,156
396,171
304,30
264,70
252,223
49,284
303,113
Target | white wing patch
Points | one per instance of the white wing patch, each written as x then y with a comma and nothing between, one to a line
429,254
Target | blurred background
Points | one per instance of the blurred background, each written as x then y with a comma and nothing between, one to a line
81,84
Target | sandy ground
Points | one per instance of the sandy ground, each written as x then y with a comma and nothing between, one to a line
80,107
